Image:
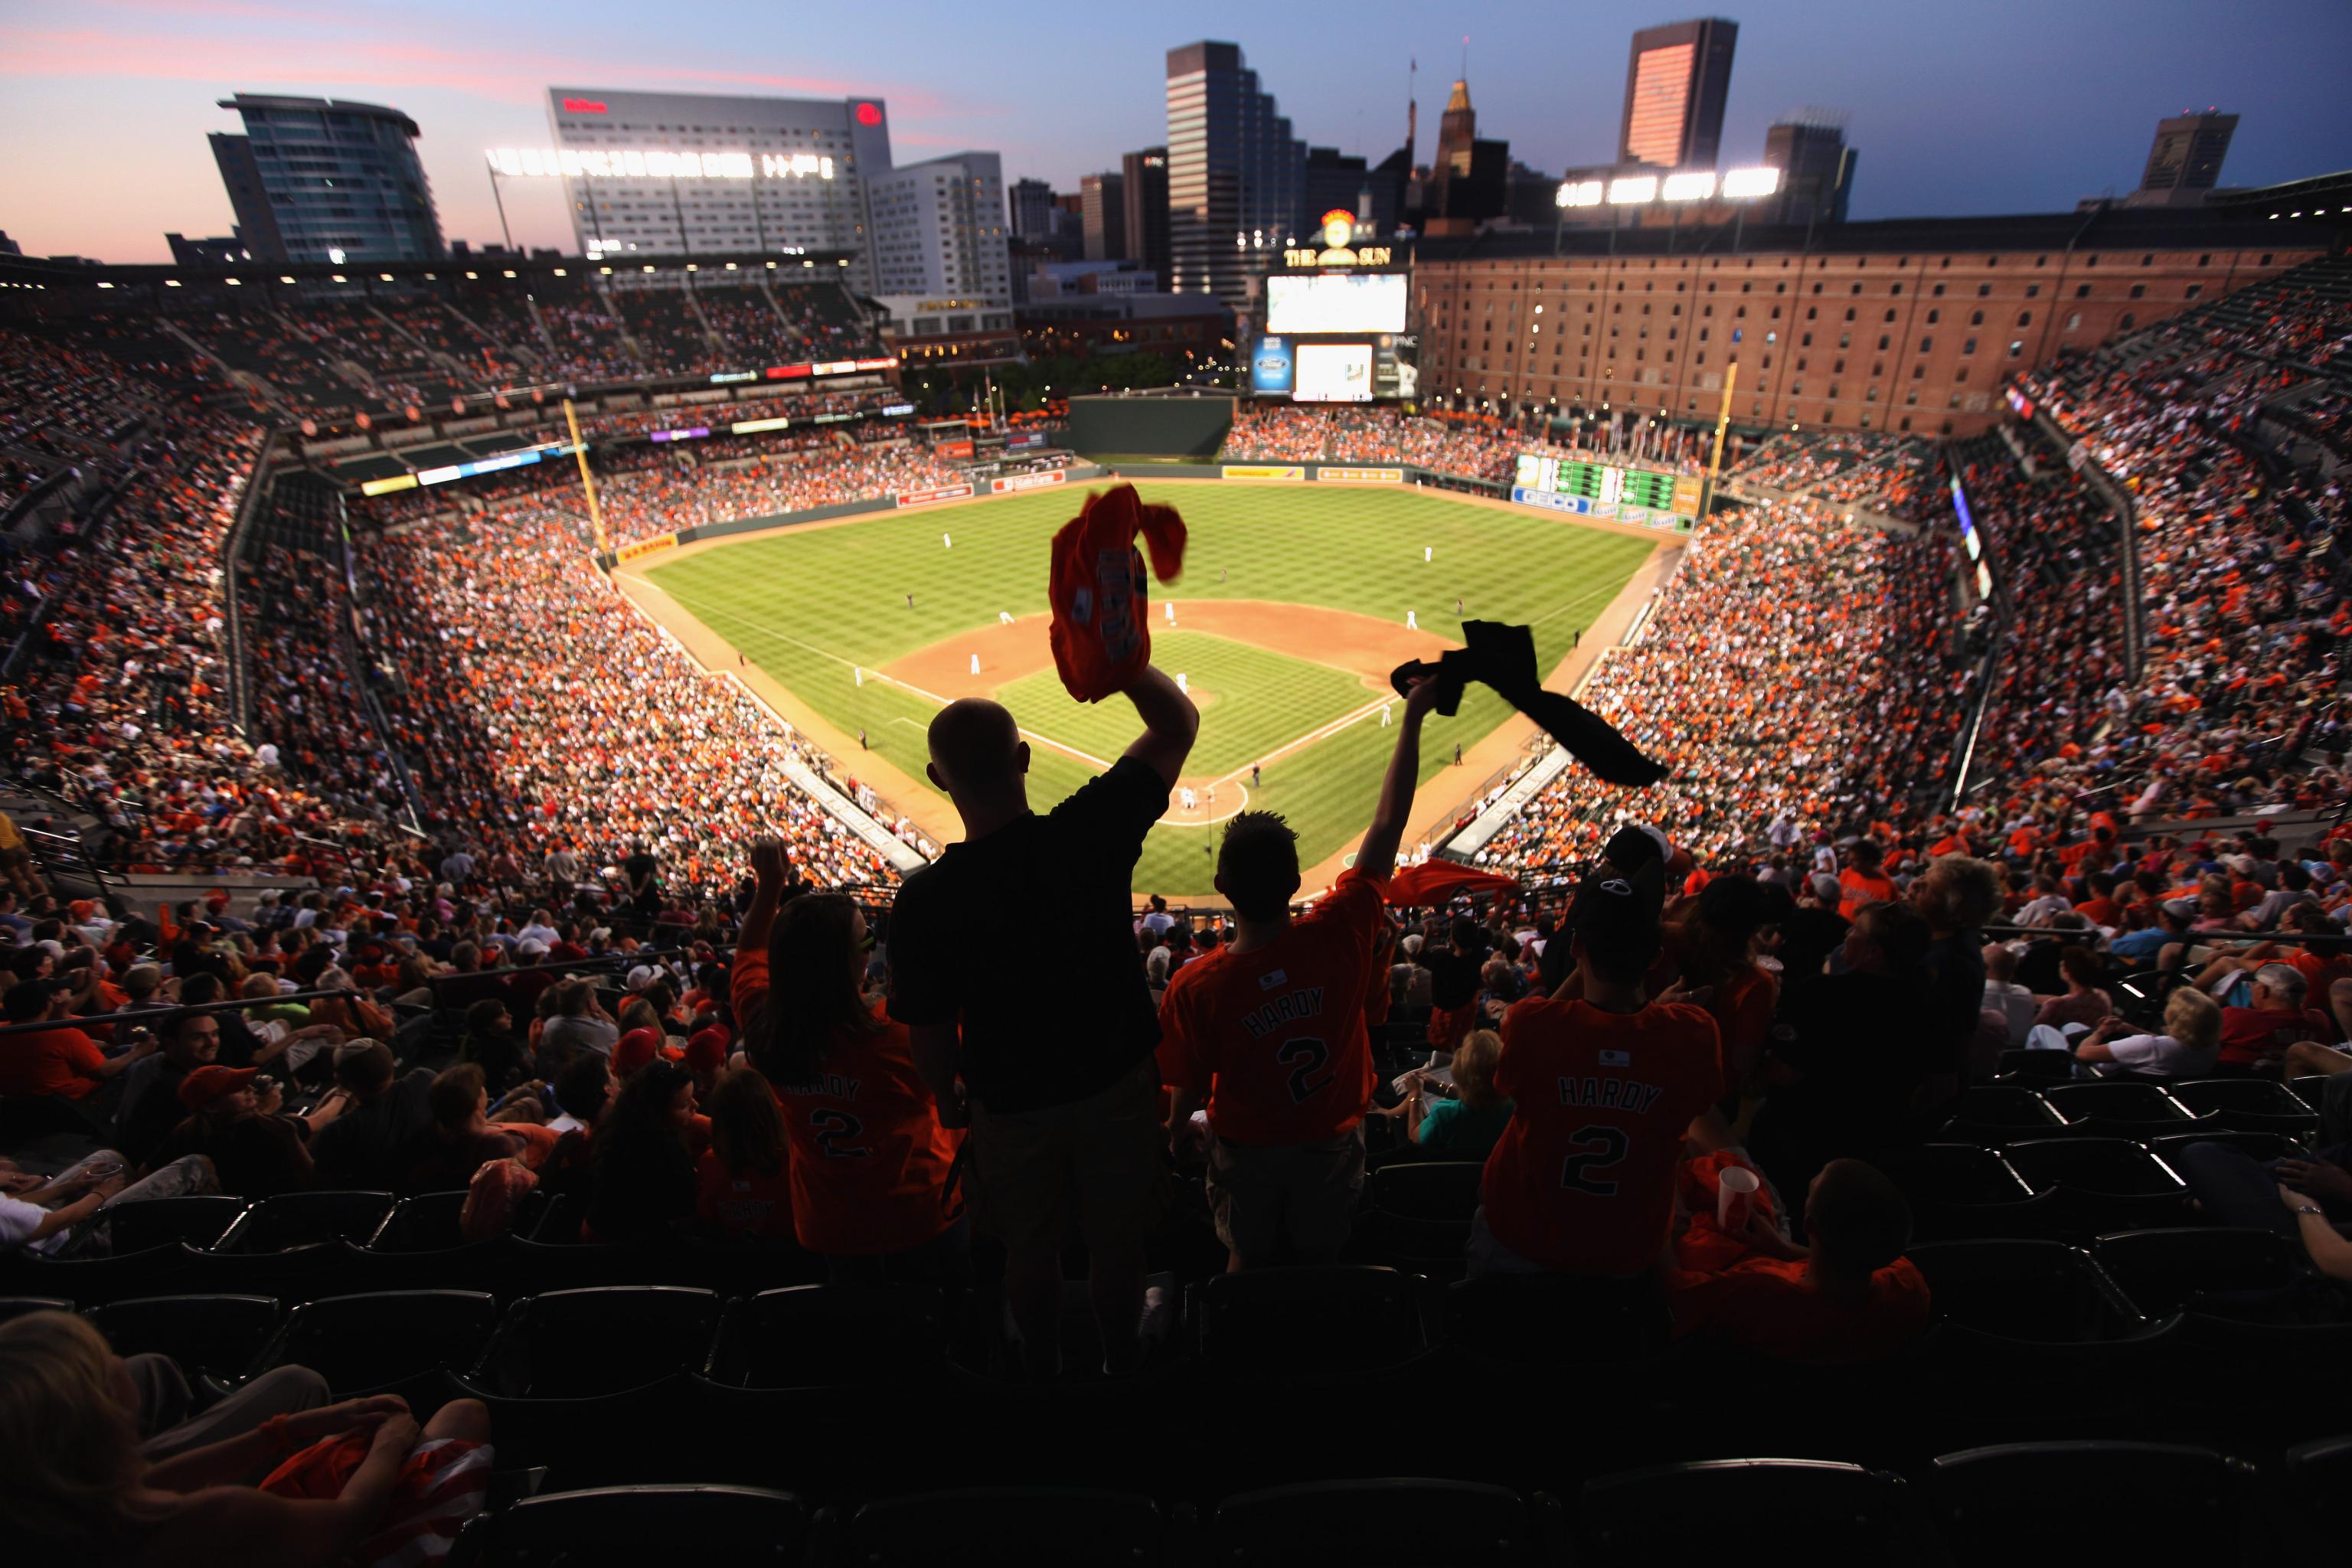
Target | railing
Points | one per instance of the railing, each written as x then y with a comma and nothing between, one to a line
240,682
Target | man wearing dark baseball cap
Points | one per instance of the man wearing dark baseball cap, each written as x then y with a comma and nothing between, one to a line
1608,1085
256,1152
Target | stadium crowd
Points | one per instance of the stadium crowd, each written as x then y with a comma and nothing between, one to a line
1695,1056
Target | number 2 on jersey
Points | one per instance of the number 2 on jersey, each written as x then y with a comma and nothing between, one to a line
1575,1169
1312,1056
832,1125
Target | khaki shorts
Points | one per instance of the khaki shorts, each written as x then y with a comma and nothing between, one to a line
1096,1165
1286,1201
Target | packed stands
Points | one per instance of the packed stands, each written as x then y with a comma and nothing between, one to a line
666,328
2015,1229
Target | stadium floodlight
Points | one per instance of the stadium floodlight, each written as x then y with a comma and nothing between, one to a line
1688,187
1634,189
335,257
1581,194
232,282
1738,184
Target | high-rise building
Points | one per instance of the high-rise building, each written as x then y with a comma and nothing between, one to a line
1468,178
2185,158
1146,173
1102,214
1676,82
315,179
1236,177
1033,209
685,173
939,228
1816,166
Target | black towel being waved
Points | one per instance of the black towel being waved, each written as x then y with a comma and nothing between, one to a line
1505,659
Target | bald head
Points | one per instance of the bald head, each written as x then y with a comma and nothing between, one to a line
976,752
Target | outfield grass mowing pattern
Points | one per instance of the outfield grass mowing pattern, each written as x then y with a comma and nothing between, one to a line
813,606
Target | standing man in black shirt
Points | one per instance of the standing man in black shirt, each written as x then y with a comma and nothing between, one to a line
644,874
1046,1054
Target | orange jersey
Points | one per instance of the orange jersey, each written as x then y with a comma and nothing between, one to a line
1274,1036
869,1159
1583,1176
1862,888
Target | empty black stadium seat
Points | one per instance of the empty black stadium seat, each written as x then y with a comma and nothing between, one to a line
306,1219
630,1526
16,1306
1679,1512
1248,1324
1432,1249
1997,1113
2315,1485
2102,1183
1443,1190
88,1281
1011,1526
2140,1106
218,1336
1961,1191
1428,1523
2214,1268
2025,1290
1553,1320
155,1222
2034,1069
427,1223
363,1344
578,1344
814,1336
2249,1104
2262,1146
2119,1503
2311,1088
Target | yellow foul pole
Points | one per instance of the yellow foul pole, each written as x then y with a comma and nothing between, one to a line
1722,419
588,480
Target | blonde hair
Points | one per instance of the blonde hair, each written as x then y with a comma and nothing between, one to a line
2193,1018
69,1463
1474,1069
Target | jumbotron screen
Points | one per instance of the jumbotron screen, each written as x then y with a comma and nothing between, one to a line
1304,304
1626,494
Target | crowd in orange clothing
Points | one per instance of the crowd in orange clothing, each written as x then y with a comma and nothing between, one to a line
1894,475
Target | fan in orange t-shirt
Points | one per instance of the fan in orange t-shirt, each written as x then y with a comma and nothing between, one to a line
1608,1089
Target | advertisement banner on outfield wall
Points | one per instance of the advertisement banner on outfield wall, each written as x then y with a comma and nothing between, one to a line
941,493
1262,471
644,547
1359,476
1026,482
952,449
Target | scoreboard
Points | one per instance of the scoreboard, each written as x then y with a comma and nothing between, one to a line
1652,496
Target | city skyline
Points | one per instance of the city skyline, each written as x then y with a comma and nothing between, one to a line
106,115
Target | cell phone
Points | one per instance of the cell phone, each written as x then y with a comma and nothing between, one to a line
263,1083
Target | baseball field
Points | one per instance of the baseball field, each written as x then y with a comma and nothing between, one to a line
1294,604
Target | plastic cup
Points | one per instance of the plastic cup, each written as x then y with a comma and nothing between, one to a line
1735,1196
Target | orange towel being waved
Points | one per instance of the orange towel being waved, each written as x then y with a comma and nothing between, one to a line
1102,622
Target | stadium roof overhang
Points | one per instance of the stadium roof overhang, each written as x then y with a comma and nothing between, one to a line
66,274
2324,199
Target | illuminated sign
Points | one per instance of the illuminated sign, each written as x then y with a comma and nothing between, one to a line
1340,302
583,106
1340,256
869,114
725,376
943,492
652,164
1261,471
750,426
786,372
893,410
1026,482
1639,190
385,486
691,433
1359,476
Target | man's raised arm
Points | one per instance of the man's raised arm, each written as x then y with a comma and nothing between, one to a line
1376,856
1170,724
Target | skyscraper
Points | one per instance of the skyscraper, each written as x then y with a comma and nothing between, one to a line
1236,177
1816,166
2185,158
314,179
1102,212
1468,178
1146,173
939,228
1033,209
1676,82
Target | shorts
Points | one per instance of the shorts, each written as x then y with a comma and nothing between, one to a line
1449,1027
1095,1165
1281,1202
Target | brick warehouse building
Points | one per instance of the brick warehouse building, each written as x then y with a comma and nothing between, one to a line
1910,324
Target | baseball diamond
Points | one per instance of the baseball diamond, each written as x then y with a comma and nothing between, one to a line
1292,608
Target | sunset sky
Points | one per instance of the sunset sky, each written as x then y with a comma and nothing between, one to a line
1973,106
